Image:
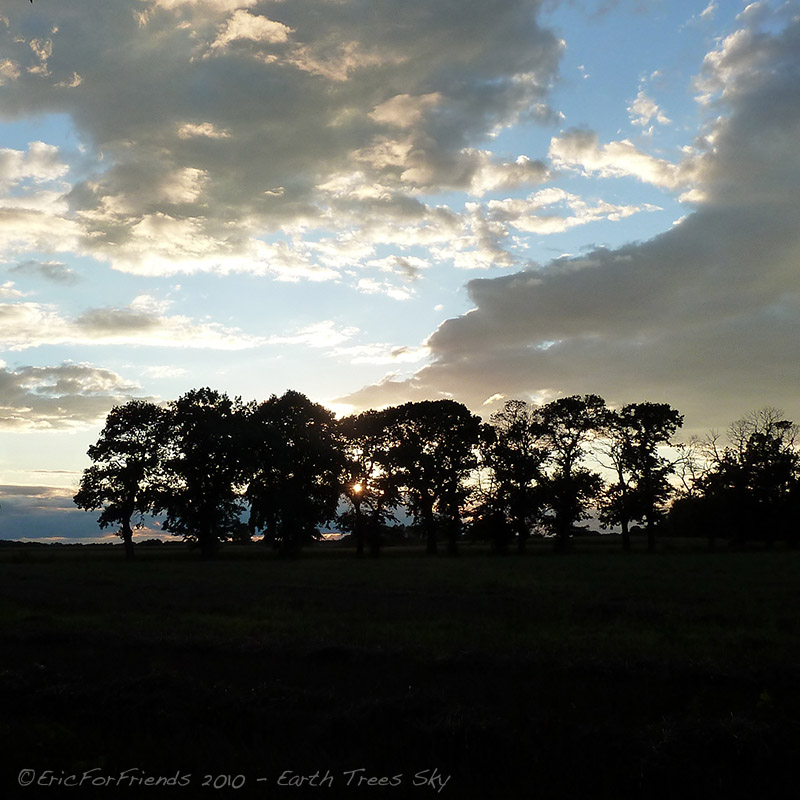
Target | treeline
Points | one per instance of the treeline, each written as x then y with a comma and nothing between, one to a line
215,469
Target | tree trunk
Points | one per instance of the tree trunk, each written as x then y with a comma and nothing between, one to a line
452,537
522,535
358,529
429,527
208,542
127,538
374,534
562,534
626,536
651,533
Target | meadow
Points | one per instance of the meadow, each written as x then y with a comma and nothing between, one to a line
592,674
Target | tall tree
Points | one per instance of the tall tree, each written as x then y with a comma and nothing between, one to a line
570,424
127,468
634,434
368,483
294,469
513,449
432,451
204,468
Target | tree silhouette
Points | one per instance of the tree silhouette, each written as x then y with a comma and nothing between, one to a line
368,483
752,482
432,452
634,434
569,425
294,469
204,470
127,468
513,449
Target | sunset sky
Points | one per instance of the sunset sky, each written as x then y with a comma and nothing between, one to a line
374,201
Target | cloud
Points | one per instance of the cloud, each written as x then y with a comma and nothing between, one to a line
644,108
46,514
320,334
40,163
403,110
252,27
55,271
7,290
554,211
143,322
579,149
60,397
701,316
207,129
371,286
381,354
224,118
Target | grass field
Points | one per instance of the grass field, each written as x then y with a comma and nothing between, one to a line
595,674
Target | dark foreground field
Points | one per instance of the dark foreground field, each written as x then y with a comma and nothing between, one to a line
589,675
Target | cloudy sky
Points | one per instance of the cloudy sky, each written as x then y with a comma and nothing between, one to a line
373,201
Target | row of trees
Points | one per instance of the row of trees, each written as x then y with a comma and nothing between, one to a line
215,468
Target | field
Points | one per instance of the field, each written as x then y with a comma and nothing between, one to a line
594,674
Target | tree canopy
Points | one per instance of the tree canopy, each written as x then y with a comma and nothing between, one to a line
126,475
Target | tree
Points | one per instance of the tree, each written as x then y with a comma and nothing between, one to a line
432,450
368,483
752,482
294,469
513,449
204,470
127,468
569,425
634,434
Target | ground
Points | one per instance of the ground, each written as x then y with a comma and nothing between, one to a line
591,674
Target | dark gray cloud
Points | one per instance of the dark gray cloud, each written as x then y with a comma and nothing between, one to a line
59,397
705,316
55,271
45,513
217,120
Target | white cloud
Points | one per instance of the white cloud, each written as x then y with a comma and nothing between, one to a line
371,286
579,149
544,211
405,111
381,354
40,162
319,334
143,322
243,25
164,371
644,108
208,130
489,175
7,290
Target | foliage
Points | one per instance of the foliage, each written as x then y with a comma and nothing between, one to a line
752,483
432,452
368,482
204,468
569,425
294,469
634,434
513,449
126,473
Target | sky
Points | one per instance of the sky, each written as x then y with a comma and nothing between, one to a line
375,201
